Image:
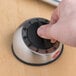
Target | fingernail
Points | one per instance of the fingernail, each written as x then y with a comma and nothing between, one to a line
53,40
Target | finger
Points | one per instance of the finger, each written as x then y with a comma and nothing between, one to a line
54,32
53,40
55,16
44,31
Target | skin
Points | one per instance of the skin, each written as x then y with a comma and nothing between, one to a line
62,26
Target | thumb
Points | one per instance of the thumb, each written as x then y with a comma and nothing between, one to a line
44,31
57,32
50,31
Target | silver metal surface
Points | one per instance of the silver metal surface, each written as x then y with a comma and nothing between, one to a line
53,2
27,55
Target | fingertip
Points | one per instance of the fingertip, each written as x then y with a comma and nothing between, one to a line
41,31
44,31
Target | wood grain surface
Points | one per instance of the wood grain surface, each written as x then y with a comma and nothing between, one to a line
12,14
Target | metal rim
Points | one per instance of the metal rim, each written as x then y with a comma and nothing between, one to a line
32,64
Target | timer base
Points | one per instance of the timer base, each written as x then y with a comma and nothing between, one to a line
31,49
41,64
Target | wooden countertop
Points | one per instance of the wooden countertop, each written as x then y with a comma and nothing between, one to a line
12,14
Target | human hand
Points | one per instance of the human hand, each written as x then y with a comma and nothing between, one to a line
62,26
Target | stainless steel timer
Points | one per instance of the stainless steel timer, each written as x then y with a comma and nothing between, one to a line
29,48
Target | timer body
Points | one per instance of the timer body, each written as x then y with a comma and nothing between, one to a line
31,49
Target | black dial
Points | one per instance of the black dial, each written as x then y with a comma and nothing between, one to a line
32,40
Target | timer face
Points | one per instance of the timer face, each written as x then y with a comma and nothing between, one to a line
33,41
